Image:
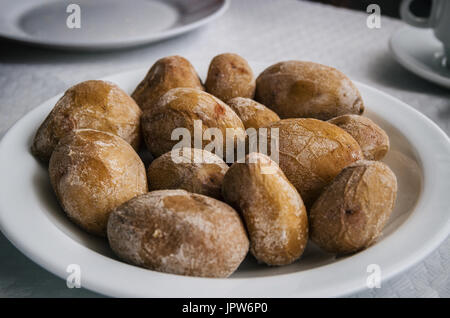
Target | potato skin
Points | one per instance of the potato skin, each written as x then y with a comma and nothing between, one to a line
308,90
178,108
312,152
97,105
230,76
92,172
252,114
273,210
203,177
373,140
351,213
178,232
167,73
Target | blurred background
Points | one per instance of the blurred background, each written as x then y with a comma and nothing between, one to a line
389,7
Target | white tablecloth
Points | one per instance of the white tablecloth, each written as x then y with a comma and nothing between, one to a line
259,30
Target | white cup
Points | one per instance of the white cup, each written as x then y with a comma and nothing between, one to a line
439,21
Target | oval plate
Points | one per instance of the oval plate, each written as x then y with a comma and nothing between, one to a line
420,155
103,24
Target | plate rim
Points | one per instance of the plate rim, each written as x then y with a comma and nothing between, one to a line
114,45
231,284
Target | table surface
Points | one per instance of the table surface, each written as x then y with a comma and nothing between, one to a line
260,30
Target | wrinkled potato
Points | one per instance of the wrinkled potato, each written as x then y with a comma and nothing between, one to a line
97,105
304,89
373,140
273,210
167,73
230,76
93,172
252,114
196,170
351,213
179,108
312,153
178,232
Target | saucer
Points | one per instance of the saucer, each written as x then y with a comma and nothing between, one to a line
419,51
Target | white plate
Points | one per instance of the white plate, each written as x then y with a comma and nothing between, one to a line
32,220
419,51
105,24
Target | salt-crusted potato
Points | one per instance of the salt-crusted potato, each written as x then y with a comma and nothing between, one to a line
312,152
304,89
178,232
351,213
252,114
179,108
230,76
373,140
93,172
274,213
194,170
167,73
97,105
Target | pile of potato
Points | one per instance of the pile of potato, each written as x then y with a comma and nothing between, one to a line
202,218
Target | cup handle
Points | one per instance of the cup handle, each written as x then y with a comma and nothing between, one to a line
411,18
